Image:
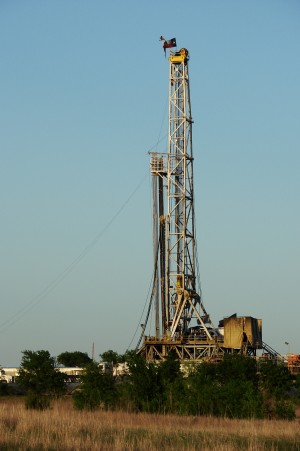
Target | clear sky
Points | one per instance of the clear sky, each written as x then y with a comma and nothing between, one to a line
84,93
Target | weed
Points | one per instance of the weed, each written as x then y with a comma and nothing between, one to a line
10,424
64,428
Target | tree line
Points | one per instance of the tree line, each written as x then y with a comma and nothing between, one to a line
235,387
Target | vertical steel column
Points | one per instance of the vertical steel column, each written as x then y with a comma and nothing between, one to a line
155,219
180,240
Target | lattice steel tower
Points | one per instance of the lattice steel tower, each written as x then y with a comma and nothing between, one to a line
181,322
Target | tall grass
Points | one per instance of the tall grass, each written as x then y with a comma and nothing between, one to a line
63,428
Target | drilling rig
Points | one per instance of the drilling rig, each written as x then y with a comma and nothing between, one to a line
182,323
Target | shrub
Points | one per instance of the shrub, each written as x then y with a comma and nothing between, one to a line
284,410
97,388
40,379
37,401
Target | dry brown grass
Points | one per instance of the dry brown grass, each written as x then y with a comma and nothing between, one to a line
63,428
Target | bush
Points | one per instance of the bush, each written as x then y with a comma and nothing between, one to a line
39,378
228,389
97,388
4,390
37,401
284,410
152,387
86,399
275,380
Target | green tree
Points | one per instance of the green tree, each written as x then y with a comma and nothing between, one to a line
229,388
276,383
141,388
201,390
275,379
238,367
297,388
72,359
97,389
111,357
152,387
239,395
170,380
40,379
130,353
4,388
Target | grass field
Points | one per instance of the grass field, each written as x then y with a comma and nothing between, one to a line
63,428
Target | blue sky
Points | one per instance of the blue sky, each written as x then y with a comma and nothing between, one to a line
84,92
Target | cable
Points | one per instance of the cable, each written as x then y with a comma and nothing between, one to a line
155,145
61,277
152,283
162,122
141,317
152,295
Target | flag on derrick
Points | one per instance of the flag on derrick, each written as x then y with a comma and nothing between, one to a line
168,44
